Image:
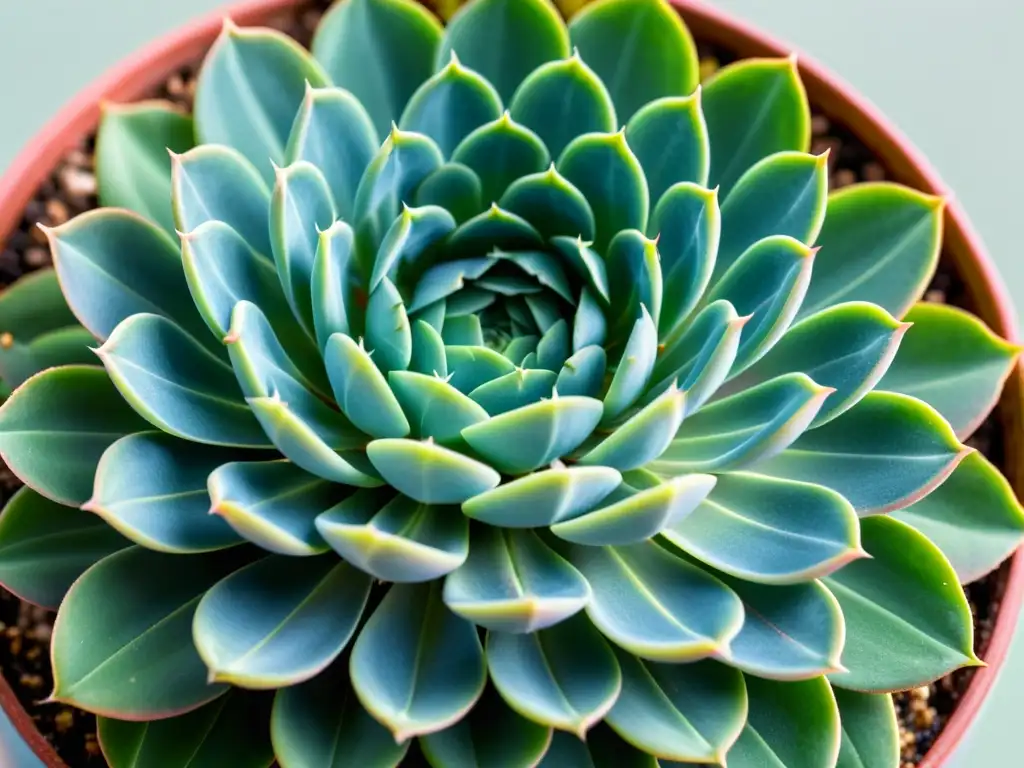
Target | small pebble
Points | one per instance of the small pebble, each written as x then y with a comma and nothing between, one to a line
37,257
56,212
873,172
6,340
844,177
820,125
64,720
77,182
935,296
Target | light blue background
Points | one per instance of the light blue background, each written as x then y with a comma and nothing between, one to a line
947,72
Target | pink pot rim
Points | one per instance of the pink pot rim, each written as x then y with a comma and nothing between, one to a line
139,73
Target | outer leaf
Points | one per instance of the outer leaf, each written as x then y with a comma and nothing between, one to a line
655,605
272,504
417,667
21,360
333,132
380,50
974,518
564,677
321,724
361,390
250,87
790,724
279,621
45,547
770,531
152,488
521,36
218,733
883,454
754,108
605,170
561,100
881,243
952,361
113,264
513,582
870,733
670,139
122,643
687,712
640,49
176,385
429,473
34,305
56,426
907,619
401,541
499,153
133,168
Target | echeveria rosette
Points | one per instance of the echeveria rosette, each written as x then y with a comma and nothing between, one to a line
498,389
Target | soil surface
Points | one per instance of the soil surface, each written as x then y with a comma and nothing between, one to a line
25,630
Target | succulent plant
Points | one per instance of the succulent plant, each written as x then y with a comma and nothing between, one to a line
495,395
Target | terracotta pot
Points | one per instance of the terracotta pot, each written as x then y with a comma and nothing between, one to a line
140,74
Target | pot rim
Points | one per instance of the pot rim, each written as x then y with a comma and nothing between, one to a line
135,76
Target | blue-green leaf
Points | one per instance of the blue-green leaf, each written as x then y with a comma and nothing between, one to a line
387,328
428,355
494,229
455,188
657,606
416,666
670,139
273,504
250,87
434,407
514,390
583,373
586,263
640,49
590,327
410,243
606,749
635,281
469,367
280,621
634,369
334,285
871,734
152,488
551,204
499,153
462,329
513,582
644,437
442,280
334,132
397,539
553,347
361,390
430,473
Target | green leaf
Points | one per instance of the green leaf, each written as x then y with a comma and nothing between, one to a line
361,390
471,367
561,100
334,285
387,328
321,724
45,547
658,606
249,90
514,390
280,621
513,582
847,346
635,282
450,105
133,168
113,264
907,619
687,224
65,346
397,540
754,108
973,517
770,531
553,347
644,437
301,207
795,725
543,498
333,132
428,353
34,305
590,327
444,279
587,264
567,749
464,329
455,188
492,736
434,407
273,504
881,244
499,153
767,282
639,48
521,36
670,139
744,429
564,677
417,667
430,473
529,437
552,204
583,373
177,385
603,167
218,733
634,369
633,515
687,712
410,244
494,229
217,183
885,453
380,50
151,487
952,361
784,194
608,750
122,640
870,733
56,426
